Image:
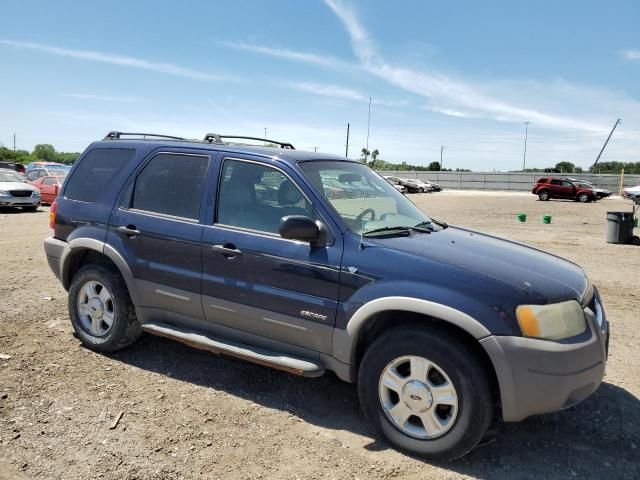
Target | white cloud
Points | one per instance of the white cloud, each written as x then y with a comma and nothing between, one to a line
332,91
449,93
630,54
101,98
305,57
93,56
340,93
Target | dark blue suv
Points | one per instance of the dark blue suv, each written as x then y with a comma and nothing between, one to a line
309,262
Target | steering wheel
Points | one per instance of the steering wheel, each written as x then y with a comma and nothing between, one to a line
370,211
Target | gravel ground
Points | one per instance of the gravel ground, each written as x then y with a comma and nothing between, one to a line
188,414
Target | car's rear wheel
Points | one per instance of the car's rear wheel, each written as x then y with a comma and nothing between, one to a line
583,198
425,393
544,195
101,311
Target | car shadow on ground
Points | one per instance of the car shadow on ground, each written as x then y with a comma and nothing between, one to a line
14,210
597,438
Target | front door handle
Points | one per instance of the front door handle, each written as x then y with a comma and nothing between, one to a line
129,230
227,250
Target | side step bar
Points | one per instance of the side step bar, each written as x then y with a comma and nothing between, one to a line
297,366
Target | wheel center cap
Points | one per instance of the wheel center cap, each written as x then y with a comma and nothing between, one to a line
96,307
417,396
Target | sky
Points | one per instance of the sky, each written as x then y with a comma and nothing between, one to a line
459,74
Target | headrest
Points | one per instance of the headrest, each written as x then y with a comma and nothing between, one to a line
288,194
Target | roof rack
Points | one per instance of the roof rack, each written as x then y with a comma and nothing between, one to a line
217,138
209,137
117,135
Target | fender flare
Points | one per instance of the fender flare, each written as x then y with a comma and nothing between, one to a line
345,341
103,248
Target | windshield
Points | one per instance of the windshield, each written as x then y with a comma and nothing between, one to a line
9,177
363,199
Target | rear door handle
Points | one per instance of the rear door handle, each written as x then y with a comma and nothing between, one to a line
129,230
227,250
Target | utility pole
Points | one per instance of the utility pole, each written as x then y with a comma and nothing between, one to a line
441,161
524,155
265,136
346,153
605,142
315,149
14,142
368,127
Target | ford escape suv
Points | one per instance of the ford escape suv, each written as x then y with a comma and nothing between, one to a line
241,250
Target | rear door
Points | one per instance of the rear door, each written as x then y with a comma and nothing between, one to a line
256,281
158,227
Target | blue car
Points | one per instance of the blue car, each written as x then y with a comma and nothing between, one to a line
243,251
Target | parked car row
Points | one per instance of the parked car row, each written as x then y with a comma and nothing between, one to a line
413,185
568,188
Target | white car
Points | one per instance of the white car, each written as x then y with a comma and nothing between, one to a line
14,192
632,190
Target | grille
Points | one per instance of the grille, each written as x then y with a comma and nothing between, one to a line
20,193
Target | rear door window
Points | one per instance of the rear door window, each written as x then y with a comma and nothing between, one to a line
95,171
171,184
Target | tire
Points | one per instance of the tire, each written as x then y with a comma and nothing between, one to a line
421,190
584,198
464,424
124,329
544,195
31,209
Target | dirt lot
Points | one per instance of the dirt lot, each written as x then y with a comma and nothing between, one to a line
188,414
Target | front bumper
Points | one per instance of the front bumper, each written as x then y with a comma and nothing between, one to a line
539,376
11,201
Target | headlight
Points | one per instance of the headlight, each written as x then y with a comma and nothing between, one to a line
36,193
551,322
4,193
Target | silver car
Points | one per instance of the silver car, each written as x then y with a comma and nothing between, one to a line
14,192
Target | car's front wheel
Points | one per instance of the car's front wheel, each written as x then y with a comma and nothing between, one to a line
544,195
425,393
101,311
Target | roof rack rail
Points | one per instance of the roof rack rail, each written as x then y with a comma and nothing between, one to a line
217,138
117,135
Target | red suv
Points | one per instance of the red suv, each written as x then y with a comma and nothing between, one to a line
547,188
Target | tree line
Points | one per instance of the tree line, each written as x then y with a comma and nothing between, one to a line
632,168
378,164
42,152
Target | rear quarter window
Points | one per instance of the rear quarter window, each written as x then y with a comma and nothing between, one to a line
96,169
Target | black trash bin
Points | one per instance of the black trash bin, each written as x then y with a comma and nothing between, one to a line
619,227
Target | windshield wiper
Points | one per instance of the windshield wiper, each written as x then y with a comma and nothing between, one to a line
400,229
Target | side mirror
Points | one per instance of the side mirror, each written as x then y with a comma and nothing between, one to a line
55,189
299,227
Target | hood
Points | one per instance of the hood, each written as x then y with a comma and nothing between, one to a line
16,186
526,268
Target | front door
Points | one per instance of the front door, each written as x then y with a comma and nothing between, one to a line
256,281
157,229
